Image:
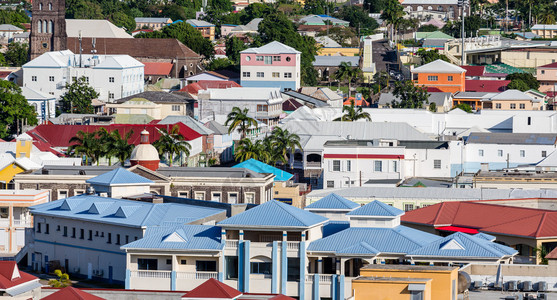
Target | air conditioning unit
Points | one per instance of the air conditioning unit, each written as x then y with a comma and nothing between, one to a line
477,284
542,286
512,286
527,286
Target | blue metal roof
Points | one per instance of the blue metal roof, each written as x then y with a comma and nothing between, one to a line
333,227
123,212
118,176
259,167
399,239
274,214
485,236
185,237
463,245
376,208
333,201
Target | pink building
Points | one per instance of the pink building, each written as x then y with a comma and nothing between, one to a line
272,65
547,76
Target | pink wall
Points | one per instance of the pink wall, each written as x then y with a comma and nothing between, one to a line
254,62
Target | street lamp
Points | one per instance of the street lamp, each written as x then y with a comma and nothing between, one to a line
463,4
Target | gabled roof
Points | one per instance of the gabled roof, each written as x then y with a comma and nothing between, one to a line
463,245
488,86
433,35
213,289
549,66
188,121
333,201
260,167
512,95
272,48
376,208
489,218
9,27
474,70
512,138
186,237
95,29
157,68
71,293
10,276
119,176
485,236
439,66
201,85
156,97
31,94
199,23
274,214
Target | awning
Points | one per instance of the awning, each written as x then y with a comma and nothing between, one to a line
416,287
23,288
458,229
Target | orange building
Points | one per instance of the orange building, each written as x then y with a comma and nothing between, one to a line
441,75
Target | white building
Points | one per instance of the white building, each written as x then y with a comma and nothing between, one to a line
112,76
264,104
271,65
43,103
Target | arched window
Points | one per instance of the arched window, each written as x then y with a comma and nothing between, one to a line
50,26
50,6
429,8
40,26
420,8
440,8
40,6
45,26
410,8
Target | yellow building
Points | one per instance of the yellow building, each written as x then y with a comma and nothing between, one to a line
338,51
11,166
401,281
153,105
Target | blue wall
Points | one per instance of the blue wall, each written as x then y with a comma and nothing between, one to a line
269,84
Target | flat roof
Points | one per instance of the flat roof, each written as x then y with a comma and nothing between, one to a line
408,268
392,279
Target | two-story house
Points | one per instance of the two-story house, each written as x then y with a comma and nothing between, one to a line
271,65
206,29
442,75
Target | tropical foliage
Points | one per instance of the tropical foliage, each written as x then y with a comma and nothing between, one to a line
101,143
14,110
351,113
346,72
62,281
78,97
172,143
409,95
239,119
273,149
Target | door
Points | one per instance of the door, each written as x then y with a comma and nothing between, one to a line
109,274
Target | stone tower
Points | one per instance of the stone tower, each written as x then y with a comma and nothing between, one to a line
48,27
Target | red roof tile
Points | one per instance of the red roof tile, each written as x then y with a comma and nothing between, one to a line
70,293
474,70
7,269
349,101
4,74
488,86
549,66
157,68
213,288
59,135
552,254
488,218
194,88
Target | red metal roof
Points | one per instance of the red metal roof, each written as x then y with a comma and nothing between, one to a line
552,254
487,218
474,70
157,68
194,88
488,86
59,135
7,272
349,101
4,74
549,66
214,289
70,293
457,229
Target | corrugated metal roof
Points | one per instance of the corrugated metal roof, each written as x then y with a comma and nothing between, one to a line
463,245
334,61
191,237
439,66
123,212
333,201
118,176
272,48
260,167
376,208
274,214
512,138
306,98
485,236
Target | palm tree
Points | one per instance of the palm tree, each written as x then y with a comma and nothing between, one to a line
392,14
172,142
547,16
347,72
106,141
239,119
85,143
246,149
284,142
353,114
121,148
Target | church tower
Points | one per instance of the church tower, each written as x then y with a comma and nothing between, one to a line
48,27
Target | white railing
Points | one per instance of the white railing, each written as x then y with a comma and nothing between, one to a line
197,275
22,222
261,245
322,278
231,244
311,164
4,222
293,245
150,274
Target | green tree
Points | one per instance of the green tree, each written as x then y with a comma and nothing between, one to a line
172,143
428,56
16,55
317,7
82,9
277,27
220,64
256,10
186,34
85,144
346,72
410,96
358,18
375,6
428,28
463,106
527,78
345,36
78,96
239,119
122,149
233,48
14,110
433,107
121,19
351,113
518,84
392,14
284,143
14,17
246,149
62,281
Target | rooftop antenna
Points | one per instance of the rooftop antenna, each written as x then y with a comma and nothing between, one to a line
80,49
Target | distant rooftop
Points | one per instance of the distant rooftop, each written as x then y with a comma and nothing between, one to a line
215,172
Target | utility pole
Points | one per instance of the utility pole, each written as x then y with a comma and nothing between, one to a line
463,4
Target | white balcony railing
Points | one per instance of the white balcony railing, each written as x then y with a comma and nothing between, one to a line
197,275
231,244
150,274
323,278
22,222
311,164
293,245
4,222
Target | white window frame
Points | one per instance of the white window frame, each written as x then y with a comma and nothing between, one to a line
78,192
183,194
230,196
334,169
330,181
437,164
58,192
481,152
213,196
246,197
375,166
195,193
